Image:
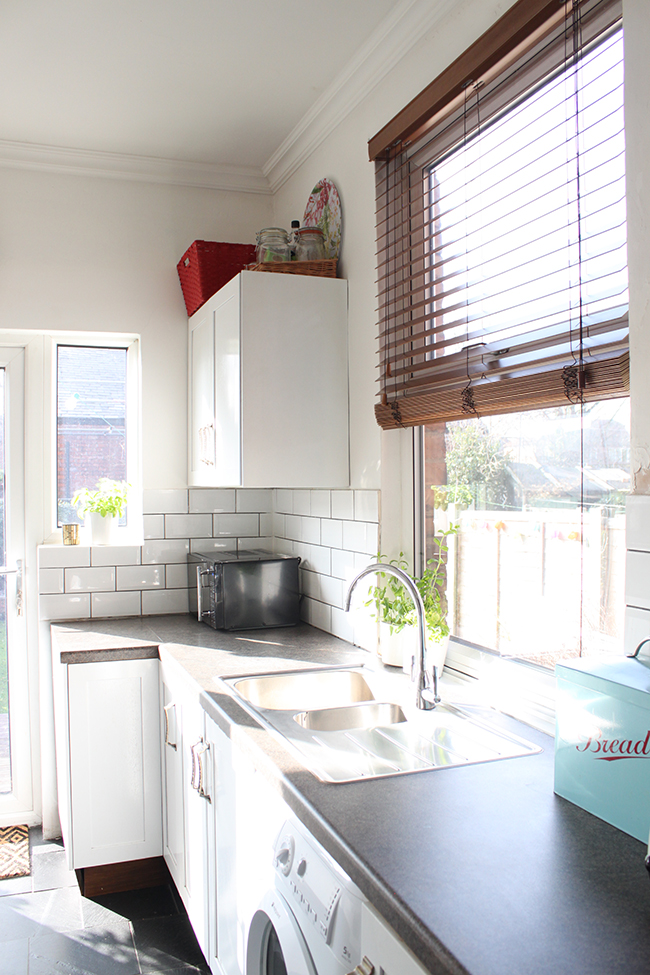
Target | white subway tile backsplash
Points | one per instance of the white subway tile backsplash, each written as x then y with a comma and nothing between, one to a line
90,580
237,524
50,580
334,533
637,579
637,628
318,614
115,555
141,577
177,576
637,522
283,501
310,530
366,505
156,602
190,526
301,503
165,550
63,555
343,564
257,543
103,604
331,591
293,527
331,533
154,526
65,607
321,505
343,504
174,501
254,500
320,559
212,500
210,546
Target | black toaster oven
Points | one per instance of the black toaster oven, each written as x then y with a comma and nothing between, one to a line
244,590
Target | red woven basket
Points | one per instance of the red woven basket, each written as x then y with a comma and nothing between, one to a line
207,265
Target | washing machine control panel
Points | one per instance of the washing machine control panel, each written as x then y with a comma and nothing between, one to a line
318,891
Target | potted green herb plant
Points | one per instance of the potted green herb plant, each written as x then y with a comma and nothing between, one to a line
103,508
395,611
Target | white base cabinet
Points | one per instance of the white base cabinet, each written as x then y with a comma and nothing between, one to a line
111,761
268,384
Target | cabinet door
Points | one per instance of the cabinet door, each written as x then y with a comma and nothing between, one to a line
227,385
222,955
197,795
114,761
383,949
201,398
172,769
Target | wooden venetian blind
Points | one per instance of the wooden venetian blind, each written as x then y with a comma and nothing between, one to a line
501,225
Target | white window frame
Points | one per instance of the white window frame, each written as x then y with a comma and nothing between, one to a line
133,532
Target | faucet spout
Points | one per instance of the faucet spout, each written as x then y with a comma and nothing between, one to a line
426,696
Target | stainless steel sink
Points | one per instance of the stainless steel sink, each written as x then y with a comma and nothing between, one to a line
369,714
306,690
332,722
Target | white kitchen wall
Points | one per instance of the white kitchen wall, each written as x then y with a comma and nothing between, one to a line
85,253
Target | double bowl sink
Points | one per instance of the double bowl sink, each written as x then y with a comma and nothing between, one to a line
334,723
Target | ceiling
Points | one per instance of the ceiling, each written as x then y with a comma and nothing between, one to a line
219,82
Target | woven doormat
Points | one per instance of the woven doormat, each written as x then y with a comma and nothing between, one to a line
14,852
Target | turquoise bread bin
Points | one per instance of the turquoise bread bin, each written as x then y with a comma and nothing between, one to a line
602,739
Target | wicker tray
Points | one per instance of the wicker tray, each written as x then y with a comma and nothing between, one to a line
318,269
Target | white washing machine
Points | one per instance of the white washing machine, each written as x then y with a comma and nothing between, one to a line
309,923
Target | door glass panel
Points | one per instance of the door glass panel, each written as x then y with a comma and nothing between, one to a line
5,751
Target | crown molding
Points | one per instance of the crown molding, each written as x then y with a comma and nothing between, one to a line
147,169
386,46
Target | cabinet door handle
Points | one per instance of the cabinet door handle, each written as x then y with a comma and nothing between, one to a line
198,773
166,712
365,968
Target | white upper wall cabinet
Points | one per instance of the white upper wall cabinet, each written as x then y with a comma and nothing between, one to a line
268,384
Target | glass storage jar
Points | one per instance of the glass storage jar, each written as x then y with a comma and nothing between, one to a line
310,244
273,245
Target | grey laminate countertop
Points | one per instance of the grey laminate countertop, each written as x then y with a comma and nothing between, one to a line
480,869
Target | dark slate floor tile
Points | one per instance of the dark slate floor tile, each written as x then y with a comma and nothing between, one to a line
90,951
14,957
50,870
136,905
28,915
15,885
164,944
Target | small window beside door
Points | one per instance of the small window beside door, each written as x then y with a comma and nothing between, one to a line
91,422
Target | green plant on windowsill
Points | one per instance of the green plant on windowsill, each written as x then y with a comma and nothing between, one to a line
109,500
394,606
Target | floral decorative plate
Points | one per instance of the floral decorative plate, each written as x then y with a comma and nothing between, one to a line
324,210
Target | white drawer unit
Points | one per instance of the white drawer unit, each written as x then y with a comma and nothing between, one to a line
268,384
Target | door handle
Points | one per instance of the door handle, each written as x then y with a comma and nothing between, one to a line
200,572
166,712
197,780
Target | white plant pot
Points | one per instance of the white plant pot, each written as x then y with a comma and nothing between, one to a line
396,648
102,529
437,653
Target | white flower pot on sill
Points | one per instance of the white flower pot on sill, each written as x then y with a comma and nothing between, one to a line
102,529
396,649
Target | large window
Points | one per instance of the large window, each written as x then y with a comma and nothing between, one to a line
503,325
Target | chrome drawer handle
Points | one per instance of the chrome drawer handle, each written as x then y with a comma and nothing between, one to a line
365,968
166,710
197,780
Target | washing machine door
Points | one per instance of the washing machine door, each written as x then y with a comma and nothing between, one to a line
276,945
